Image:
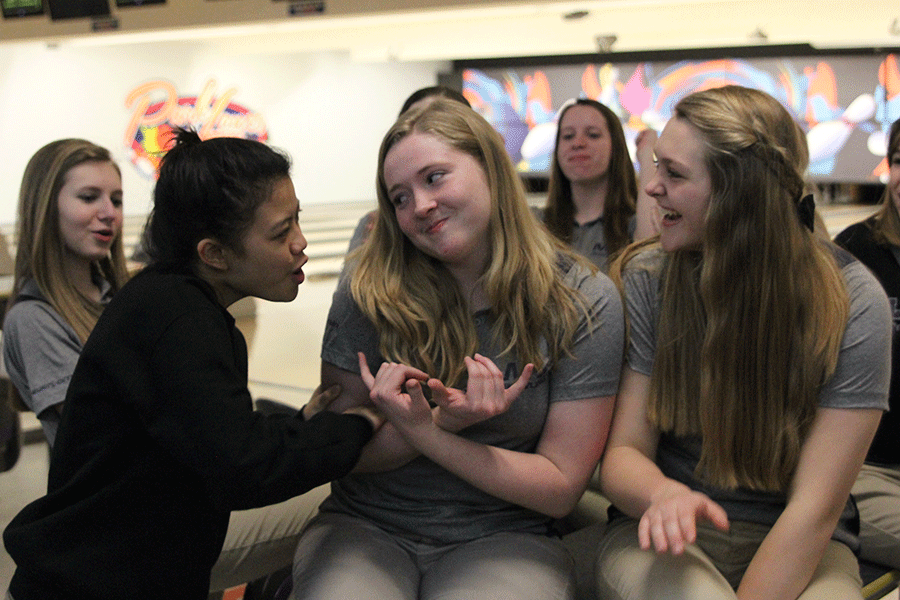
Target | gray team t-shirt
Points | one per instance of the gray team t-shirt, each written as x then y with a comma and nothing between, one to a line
40,350
589,239
422,500
860,380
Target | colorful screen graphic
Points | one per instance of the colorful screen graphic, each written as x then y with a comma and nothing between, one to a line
845,104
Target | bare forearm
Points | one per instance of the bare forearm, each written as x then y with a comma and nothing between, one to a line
631,481
785,562
389,450
526,479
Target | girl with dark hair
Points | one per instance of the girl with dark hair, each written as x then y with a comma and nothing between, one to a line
593,200
876,243
756,373
158,442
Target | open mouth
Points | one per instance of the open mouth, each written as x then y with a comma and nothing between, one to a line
298,274
669,216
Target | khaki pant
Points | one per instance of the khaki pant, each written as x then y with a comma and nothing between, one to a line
263,540
625,572
341,557
877,494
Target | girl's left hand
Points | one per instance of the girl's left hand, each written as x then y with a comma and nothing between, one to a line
670,523
320,400
386,390
485,395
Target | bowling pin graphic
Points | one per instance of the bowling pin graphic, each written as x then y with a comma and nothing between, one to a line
827,138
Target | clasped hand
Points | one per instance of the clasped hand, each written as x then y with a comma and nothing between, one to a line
485,394
323,397
670,523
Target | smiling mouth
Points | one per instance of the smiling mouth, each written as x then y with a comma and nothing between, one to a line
669,216
431,228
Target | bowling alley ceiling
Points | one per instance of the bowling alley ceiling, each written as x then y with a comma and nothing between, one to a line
451,29
554,28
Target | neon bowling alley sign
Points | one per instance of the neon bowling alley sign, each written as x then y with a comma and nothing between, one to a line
157,109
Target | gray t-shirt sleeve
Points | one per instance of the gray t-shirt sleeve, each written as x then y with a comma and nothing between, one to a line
348,331
641,290
40,351
594,368
862,376
362,231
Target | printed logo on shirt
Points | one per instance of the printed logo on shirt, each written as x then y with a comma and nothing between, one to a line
50,385
512,373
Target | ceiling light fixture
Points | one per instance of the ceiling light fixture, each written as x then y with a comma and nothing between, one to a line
605,42
575,15
759,36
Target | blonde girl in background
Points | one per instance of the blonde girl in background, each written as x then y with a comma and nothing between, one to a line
69,263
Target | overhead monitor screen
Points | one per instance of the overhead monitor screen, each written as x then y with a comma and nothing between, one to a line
22,8
845,103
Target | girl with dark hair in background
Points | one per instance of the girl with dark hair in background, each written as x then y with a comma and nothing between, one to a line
593,200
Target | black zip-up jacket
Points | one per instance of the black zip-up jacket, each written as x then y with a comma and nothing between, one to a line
879,258
157,444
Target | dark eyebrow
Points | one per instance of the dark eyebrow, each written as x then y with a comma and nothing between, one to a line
421,171
287,220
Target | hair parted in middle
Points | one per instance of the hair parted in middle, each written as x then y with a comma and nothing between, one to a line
422,317
209,189
621,199
434,91
751,324
40,243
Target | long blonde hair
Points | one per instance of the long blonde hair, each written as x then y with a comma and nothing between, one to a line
886,222
40,247
422,316
763,301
